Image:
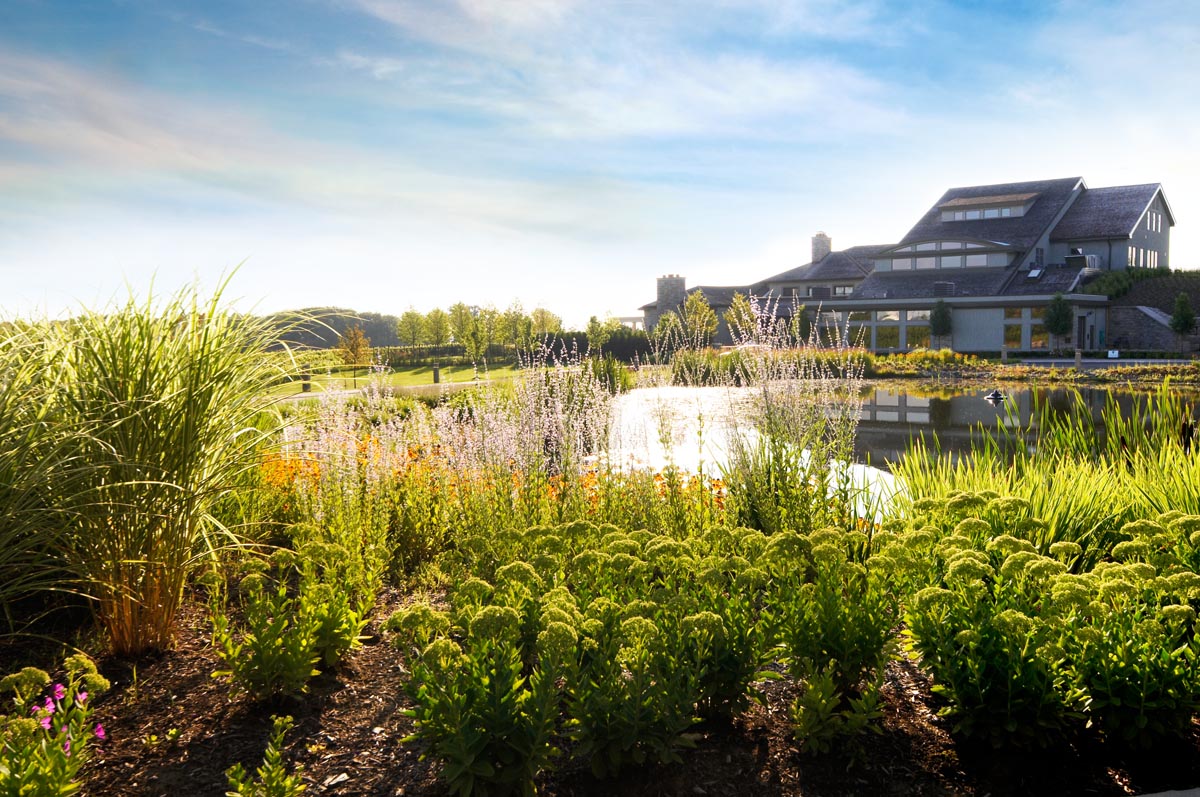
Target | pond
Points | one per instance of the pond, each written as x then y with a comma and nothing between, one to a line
689,427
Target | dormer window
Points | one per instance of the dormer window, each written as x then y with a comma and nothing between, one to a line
987,207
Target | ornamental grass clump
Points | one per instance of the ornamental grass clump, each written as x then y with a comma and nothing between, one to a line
170,401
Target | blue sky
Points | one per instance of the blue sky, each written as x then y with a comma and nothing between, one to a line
379,154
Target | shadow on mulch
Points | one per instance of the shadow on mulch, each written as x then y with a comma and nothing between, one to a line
348,733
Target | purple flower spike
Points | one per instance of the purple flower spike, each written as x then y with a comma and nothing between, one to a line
100,734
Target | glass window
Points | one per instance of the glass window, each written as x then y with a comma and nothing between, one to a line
887,337
1037,312
1039,338
975,246
917,336
902,264
858,335
1012,312
887,315
976,260
1012,336
843,290
998,259
918,315
991,213
926,262
905,249
971,215
926,247
951,244
860,315
1005,212
959,215
1131,257
952,261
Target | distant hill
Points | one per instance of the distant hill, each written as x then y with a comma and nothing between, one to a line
320,327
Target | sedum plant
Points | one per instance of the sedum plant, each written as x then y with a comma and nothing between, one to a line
44,741
273,779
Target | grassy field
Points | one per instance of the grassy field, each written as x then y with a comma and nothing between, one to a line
419,376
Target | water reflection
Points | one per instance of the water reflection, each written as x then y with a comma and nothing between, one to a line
891,417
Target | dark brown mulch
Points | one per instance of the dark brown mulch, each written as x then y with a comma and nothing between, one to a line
349,729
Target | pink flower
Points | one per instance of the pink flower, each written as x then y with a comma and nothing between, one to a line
100,734
60,691
46,722
67,747
48,705
81,698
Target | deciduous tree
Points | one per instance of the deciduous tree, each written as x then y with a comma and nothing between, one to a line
741,320
698,320
1059,317
437,327
941,323
354,346
411,328
1183,320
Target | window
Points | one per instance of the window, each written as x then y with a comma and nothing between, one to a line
926,262
1037,312
971,215
905,249
976,261
952,261
902,264
887,337
1039,256
975,246
926,247
1131,257
915,337
1039,338
1012,312
918,315
843,290
860,315
887,315
1012,336
952,245
991,213
1006,212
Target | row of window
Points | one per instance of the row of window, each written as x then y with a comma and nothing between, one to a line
983,213
1142,258
1154,221
931,246
993,259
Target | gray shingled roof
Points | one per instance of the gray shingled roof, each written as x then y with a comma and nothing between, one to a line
853,263
919,284
719,295
1105,213
1054,279
967,282
1021,232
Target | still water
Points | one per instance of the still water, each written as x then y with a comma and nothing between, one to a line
690,427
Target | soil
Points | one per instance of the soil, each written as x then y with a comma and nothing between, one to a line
349,732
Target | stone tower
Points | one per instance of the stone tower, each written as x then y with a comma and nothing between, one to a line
822,245
672,292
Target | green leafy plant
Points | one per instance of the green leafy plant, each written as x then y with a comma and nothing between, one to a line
273,779
490,725
276,653
43,743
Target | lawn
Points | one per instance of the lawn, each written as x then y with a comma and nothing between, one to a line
415,376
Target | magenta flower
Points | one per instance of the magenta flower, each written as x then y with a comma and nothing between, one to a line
100,734
46,722
67,747
48,706
81,698
60,691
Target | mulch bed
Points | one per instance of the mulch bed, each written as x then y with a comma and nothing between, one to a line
348,733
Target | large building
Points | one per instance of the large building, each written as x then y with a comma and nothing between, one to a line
996,254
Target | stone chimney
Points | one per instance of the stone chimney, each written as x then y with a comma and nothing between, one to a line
671,292
822,245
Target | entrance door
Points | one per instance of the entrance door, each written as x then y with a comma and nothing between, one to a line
1080,331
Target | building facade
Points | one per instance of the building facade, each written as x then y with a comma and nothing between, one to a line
996,255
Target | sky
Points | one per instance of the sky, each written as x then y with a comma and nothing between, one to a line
387,154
